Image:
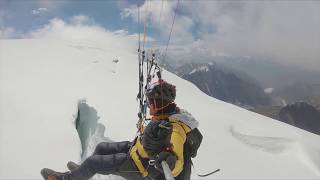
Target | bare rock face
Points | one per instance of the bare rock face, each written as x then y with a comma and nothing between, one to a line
225,86
301,115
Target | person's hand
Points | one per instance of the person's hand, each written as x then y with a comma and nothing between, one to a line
169,157
148,178
156,137
164,129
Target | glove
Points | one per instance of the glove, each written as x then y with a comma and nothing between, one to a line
156,137
164,129
165,156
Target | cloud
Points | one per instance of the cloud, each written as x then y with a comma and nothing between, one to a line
83,28
50,4
39,11
7,33
81,20
282,31
159,16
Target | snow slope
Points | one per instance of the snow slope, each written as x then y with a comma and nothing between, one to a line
41,82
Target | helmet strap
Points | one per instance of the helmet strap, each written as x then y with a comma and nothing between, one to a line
154,109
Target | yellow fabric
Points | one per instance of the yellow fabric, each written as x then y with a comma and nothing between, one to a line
135,157
178,138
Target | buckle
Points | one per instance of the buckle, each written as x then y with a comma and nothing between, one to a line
152,162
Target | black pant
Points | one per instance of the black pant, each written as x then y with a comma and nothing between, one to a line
108,158
114,158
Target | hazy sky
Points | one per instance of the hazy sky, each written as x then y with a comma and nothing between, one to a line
284,31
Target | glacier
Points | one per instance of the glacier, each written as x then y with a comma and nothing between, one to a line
42,82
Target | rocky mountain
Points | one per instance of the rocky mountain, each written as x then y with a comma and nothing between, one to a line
298,91
269,111
224,85
300,114
297,104
271,74
315,102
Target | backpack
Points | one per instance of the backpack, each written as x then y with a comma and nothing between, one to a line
193,142
194,137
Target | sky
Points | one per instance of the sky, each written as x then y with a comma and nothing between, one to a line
282,31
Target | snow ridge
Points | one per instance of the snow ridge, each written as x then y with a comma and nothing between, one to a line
204,68
269,144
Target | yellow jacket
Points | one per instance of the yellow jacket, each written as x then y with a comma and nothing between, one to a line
178,138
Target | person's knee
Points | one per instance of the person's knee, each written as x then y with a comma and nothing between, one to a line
105,148
118,147
123,146
92,163
100,148
120,158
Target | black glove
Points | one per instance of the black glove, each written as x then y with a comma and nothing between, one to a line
164,128
169,157
156,137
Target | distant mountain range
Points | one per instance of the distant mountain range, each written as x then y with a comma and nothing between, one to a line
269,73
297,92
300,114
297,104
222,83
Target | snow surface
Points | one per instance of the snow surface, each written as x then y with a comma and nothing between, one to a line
268,90
42,81
204,68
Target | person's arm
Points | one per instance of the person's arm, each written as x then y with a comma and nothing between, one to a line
178,138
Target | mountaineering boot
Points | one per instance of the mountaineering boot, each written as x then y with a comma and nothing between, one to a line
72,165
49,174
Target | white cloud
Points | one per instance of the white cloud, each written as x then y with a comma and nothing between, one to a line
85,29
283,31
268,90
50,4
160,17
39,11
81,20
6,33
